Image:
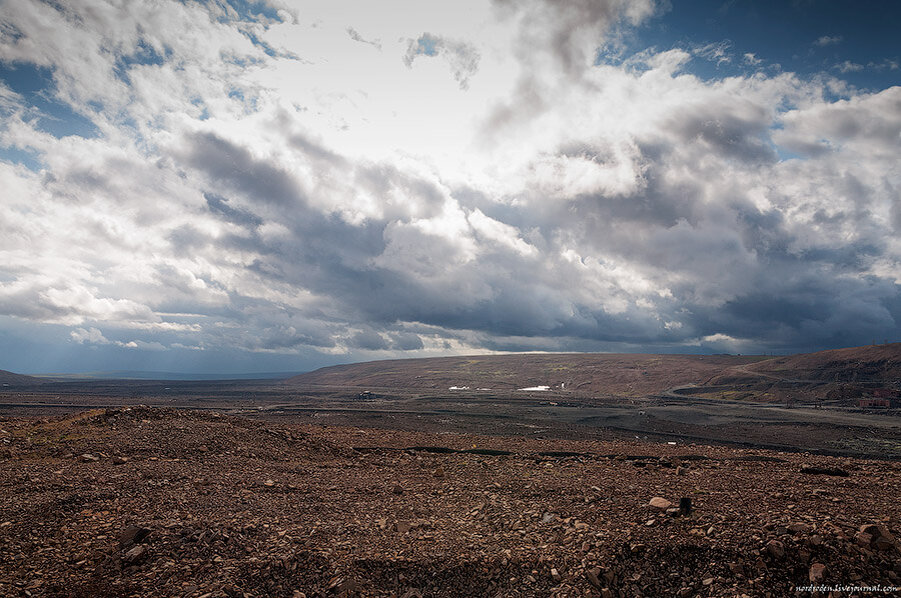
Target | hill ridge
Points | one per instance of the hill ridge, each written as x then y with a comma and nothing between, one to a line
617,374
13,379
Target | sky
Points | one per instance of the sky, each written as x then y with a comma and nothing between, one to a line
236,186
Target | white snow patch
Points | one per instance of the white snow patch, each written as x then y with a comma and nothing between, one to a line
536,388
458,388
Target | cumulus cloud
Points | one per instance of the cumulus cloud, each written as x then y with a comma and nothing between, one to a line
848,67
827,40
271,184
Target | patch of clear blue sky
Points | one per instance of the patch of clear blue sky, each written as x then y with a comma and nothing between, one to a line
144,54
856,41
36,86
27,158
252,10
427,45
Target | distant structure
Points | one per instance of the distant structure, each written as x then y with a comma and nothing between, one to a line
881,398
872,403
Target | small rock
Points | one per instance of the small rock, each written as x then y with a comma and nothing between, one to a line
398,489
133,534
817,572
884,543
88,458
680,470
403,526
439,472
135,556
863,539
776,549
799,528
708,581
872,529
760,565
882,538
119,460
348,586
592,576
660,503
555,575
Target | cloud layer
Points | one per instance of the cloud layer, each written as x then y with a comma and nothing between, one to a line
294,181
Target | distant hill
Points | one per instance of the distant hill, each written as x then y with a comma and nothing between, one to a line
876,363
144,375
623,374
595,373
11,379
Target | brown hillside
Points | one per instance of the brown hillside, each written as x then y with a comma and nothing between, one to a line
611,374
17,379
878,363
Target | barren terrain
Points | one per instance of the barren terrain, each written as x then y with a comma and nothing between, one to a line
380,479
160,502
613,374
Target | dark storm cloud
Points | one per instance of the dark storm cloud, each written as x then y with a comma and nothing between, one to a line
369,340
226,162
288,337
808,311
669,229
219,205
406,341
738,136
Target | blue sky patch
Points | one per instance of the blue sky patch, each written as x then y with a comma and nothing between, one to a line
35,84
849,40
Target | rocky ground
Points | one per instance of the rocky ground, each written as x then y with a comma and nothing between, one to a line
158,502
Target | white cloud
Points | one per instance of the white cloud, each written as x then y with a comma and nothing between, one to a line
751,59
849,67
430,179
716,52
827,40
91,336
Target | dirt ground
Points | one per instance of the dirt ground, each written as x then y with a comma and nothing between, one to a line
163,502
